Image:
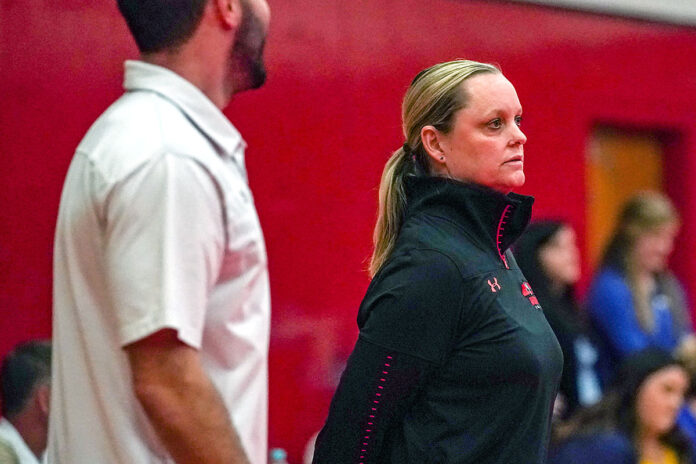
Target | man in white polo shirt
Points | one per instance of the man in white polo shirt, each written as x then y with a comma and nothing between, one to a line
161,294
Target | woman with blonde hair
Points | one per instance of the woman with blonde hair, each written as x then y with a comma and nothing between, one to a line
455,362
634,301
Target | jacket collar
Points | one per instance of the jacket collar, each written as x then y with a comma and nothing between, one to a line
488,217
191,101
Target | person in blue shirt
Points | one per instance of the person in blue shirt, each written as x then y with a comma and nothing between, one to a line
634,301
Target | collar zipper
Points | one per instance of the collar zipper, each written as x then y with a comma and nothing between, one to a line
499,233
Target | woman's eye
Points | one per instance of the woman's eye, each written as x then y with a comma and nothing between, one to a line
495,124
518,120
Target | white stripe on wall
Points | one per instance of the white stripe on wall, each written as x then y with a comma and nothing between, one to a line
674,11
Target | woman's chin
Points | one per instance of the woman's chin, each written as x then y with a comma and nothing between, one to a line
515,181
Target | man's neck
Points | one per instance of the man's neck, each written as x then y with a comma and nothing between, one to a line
209,79
33,430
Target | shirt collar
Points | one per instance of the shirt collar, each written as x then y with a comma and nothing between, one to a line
492,218
191,101
10,434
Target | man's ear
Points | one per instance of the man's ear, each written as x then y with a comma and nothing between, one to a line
43,398
230,12
435,145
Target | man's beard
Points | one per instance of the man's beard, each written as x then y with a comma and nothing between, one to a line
247,51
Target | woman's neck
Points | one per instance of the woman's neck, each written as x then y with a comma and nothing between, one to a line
557,288
651,448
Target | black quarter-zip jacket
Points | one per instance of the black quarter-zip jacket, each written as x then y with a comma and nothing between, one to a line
455,362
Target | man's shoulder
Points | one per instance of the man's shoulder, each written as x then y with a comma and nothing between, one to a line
137,128
7,453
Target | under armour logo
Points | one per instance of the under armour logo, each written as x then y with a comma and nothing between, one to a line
495,286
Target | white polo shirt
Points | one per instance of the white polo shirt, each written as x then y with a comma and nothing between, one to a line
11,436
156,229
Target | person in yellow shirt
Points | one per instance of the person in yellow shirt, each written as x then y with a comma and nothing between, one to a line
669,456
636,420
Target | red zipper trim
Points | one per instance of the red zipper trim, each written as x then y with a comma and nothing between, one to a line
499,234
370,426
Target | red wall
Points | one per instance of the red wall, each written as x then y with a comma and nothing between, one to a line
319,134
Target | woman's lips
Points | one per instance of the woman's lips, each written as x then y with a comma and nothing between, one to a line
515,160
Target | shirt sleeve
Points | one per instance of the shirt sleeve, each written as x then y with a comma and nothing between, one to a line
414,306
164,242
611,306
408,320
376,390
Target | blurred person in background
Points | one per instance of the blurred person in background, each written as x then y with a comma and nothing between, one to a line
549,258
635,423
25,381
634,300
455,361
687,416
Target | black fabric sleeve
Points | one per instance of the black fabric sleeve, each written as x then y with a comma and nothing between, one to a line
414,305
376,389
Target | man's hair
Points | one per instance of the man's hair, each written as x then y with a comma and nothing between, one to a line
24,368
158,25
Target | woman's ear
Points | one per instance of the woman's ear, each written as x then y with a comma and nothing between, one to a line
436,146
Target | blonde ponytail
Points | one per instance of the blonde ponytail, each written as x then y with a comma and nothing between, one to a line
433,98
392,206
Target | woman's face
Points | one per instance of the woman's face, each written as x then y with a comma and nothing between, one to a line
653,247
659,399
560,257
485,143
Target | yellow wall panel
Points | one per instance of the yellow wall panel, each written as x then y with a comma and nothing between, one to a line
619,163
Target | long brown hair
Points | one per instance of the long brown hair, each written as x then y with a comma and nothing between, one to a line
433,98
642,213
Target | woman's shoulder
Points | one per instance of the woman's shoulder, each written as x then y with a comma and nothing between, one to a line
419,264
609,276
413,305
438,234
608,282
